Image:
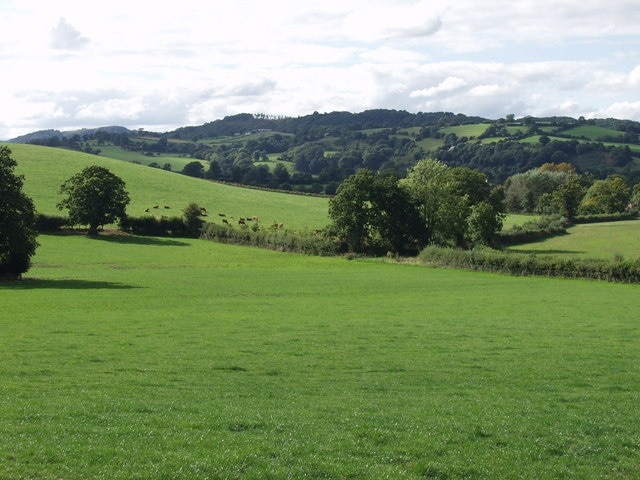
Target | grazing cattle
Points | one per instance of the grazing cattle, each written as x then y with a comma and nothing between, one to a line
146,209
221,215
241,219
224,220
156,206
254,218
167,206
241,222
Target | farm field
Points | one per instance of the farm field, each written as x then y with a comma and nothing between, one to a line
471,130
45,169
595,240
177,163
138,357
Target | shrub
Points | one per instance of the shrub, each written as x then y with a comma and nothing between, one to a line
50,223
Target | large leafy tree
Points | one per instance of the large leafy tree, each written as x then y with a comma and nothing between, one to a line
374,213
436,192
17,221
610,195
95,197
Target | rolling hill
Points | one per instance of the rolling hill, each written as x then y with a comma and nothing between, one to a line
45,169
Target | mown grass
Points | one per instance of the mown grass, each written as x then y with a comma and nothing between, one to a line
45,169
129,357
606,240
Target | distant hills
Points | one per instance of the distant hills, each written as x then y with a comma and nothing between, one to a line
313,153
42,135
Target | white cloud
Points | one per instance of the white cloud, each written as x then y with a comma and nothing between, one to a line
66,37
168,66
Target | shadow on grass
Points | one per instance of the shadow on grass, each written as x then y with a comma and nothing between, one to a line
62,284
547,252
137,240
124,238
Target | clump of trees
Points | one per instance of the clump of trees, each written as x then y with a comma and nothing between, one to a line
434,204
17,221
556,189
94,197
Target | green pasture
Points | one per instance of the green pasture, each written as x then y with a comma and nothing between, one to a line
592,132
133,357
470,131
45,169
594,240
177,163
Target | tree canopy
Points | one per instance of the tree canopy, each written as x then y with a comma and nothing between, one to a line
95,197
433,204
17,221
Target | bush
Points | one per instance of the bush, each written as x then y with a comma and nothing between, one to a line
159,227
51,223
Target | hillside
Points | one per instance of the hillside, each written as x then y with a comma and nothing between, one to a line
321,150
45,169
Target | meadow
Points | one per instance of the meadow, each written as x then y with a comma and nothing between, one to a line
177,163
606,240
126,357
45,169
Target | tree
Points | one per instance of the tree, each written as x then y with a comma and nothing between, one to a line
192,219
434,191
610,195
350,210
194,169
17,221
484,223
375,214
95,197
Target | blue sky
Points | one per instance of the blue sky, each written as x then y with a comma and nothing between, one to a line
160,65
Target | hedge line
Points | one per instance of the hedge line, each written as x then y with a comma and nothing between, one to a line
621,271
158,227
307,242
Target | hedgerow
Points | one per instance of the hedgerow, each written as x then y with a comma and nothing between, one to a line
487,260
51,223
307,242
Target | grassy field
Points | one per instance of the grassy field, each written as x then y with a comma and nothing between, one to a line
128,357
592,132
177,163
595,240
471,131
45,169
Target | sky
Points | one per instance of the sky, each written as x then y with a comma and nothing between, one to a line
161,65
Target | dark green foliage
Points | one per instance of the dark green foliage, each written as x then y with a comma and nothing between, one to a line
149,225
50,223
194,169
621,271
17,221
193,219
375,214
94,197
